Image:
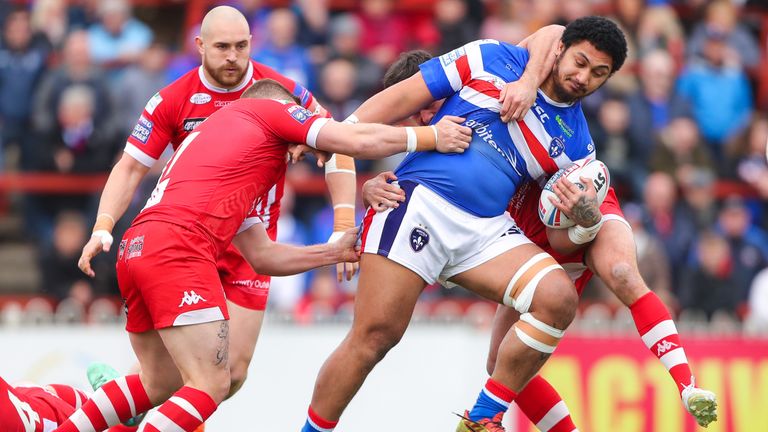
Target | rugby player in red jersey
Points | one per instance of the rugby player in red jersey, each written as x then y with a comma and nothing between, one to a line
207,198
168,118
37,408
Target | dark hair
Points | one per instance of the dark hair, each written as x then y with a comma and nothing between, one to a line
405,67
269,89
602,33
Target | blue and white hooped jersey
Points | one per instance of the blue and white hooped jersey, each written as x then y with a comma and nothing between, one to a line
501,156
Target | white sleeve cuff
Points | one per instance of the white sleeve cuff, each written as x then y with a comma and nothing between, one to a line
249,222
136,153
314,130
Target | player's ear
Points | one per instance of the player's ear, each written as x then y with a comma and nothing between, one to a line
200,45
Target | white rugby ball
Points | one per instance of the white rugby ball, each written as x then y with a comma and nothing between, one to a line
591,169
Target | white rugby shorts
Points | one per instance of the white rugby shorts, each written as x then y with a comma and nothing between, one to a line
434,238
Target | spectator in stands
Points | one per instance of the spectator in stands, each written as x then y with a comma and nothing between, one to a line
281,51
722,18
286,291
58,265
76,68
748,242
652,260
668,219
451,23
660,29
338,82
118,39
654,104
678,149
50,18
709,282
506,24
23,56
698,192
719,91
78,144
256,12
385,34
345,43
322,299
749,152
614,147
139,83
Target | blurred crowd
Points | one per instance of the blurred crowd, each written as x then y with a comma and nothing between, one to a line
682,127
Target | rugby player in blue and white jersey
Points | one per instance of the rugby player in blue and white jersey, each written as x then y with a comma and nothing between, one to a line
453,223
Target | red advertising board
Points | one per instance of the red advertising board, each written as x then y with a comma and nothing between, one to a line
615,384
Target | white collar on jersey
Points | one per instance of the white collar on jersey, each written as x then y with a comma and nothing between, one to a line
247,80
552,102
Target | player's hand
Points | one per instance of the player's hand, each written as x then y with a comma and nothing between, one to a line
296,153
346,249
452,137
380,194
100,241
516,99
344,269
577,201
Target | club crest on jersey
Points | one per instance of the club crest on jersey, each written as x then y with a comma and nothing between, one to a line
200,98
556,147
142,130
419,239
300,114
191,123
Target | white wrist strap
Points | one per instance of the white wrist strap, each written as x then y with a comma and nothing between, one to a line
352,119
335,236
104,236
580,235
434,129
410,144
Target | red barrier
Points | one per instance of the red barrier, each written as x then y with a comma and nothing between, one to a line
616,384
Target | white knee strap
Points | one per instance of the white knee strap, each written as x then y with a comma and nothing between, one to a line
536,334
520,290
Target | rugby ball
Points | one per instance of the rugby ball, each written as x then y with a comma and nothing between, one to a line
592,169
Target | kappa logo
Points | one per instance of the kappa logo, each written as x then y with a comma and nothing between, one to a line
190,298
664,346
419,239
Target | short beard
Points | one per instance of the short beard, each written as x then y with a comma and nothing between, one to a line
220,78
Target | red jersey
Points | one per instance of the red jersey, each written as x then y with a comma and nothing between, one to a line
524,210
219,175
26,409
176,110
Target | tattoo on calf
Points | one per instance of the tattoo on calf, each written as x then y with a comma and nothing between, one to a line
222,350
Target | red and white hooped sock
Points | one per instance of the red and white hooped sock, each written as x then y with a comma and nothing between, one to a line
187,409
544,407
115,402
659,333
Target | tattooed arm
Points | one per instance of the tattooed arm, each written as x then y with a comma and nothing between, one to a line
581,206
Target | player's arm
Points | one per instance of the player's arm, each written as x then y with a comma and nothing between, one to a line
518,96
397,102
376,141
277,259
341,179
122,183
582,207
